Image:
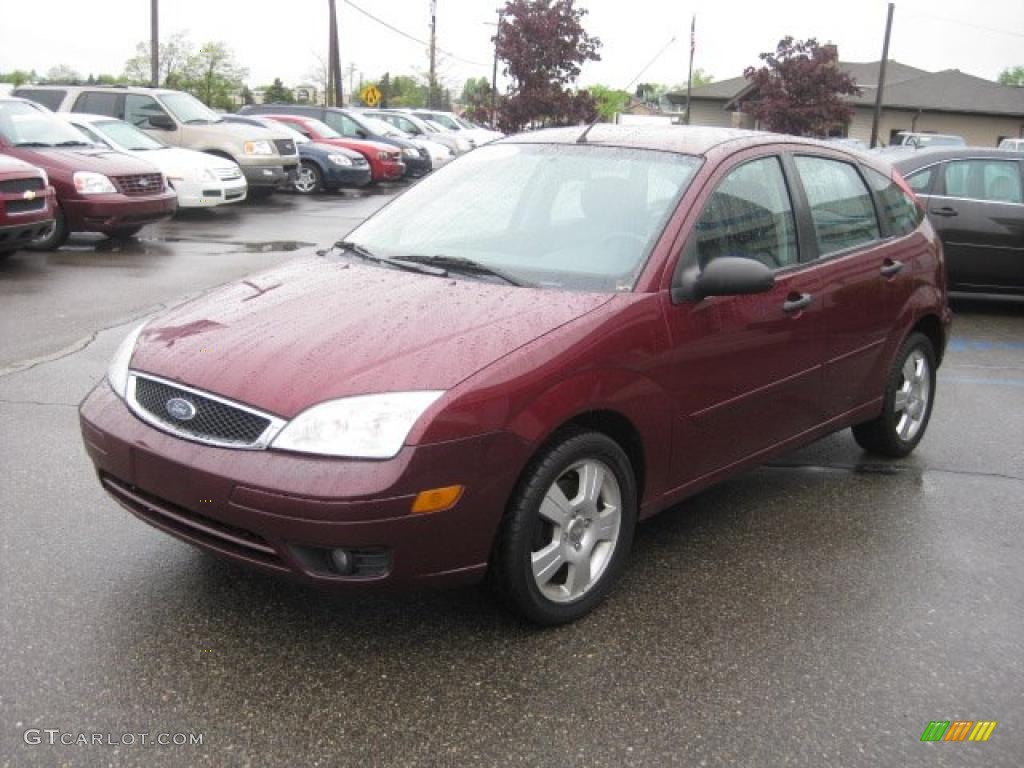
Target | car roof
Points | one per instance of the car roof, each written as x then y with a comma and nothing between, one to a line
932,155
86,117
683,139
96,87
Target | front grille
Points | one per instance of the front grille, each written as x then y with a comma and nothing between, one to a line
285,146
17,186
140,184
228,174
214,421
26,206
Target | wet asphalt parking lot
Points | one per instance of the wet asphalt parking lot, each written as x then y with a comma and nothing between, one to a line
819,611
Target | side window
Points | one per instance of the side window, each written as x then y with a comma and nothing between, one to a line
841,207
138,110
749,215
97,103
49,99
993,180
921,181
900,212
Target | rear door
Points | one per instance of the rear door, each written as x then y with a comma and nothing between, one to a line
977,207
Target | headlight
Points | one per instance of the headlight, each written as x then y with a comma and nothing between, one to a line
411,152
117,372
340,159
462,145
383,156
89,183
361,427
258,148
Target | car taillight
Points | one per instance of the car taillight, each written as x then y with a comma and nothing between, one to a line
900,182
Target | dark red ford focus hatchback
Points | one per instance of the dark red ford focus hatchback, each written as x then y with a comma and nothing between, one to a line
516,360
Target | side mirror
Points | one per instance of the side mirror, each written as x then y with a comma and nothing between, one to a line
360,133
163,123
724,276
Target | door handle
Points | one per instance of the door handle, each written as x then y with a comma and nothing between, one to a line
797,301
945,211
891,267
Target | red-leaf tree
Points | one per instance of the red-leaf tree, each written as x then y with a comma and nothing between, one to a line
543,46
799,89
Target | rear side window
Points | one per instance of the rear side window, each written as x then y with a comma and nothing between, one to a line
900,213
49,99
992,180
921,181
841,207
750,215
98,103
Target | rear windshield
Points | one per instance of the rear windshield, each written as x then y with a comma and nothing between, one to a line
50,99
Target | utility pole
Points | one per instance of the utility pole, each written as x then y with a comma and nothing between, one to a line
432,102
881,78
334,77
154,43
689,76
351,77
494,73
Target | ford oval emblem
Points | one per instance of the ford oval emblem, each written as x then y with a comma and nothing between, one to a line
180,409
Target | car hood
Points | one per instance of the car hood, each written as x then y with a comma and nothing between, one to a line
323,328
100,160
175,161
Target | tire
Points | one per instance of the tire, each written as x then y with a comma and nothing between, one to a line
57,237
561,547
907,407
308,179
124,233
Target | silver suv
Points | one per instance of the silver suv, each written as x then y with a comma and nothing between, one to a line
267,158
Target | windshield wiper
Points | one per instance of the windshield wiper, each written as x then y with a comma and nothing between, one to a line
200,121
367,255
467,267
33,144
75,143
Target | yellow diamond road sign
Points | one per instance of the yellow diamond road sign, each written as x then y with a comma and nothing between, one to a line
370,95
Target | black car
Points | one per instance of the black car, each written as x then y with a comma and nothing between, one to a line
355,126
975,201
322,167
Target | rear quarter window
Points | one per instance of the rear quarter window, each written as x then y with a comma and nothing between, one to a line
900,213
98,103
48,98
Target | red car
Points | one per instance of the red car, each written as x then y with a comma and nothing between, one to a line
26,204
98,190
549,339
385,160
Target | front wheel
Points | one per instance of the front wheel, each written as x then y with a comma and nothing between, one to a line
907,407
569,529
308,179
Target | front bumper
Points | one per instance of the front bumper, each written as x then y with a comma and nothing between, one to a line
107,213
416,166
13,236
207,194
276,511
24,219
346,176
266,176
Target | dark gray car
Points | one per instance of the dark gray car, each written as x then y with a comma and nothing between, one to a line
975,201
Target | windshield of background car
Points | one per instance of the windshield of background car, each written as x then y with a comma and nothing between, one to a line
188,109
23,124
321,129
380,127
128,136
571,217
446,121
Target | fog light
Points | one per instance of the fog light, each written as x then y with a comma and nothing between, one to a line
437,499
341,560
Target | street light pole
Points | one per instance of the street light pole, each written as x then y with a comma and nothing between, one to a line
154,43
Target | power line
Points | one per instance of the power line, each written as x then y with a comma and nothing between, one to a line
962,23
405,34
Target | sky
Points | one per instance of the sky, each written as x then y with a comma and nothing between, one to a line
275,39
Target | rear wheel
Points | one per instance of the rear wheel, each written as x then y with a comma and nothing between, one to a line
568,532
907,407
56,237
308,179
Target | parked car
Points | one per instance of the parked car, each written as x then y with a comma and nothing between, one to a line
385,160
181,120
514,361
452,122
26,205
199,180
439,153
98,190
925,140
975,201
417,127
322,167
350,125
1014,145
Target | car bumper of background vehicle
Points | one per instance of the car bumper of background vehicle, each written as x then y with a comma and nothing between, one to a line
391,171
263,176
417,166
340,176
14,236
285,513
107,213
206,194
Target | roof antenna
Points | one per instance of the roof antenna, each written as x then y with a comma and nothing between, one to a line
582,139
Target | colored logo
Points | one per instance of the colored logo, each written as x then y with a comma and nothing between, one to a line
181,409
958,730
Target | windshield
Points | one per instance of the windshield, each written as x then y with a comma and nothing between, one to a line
294,135
188,109
322,129
127,136
380,127
446,121
24,125
559,216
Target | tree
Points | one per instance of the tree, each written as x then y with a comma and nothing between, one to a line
700,77
1012,76
62,74
406,91
799,89
278,94
543,47
19,77
213,75
609,101
175,53
476,99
